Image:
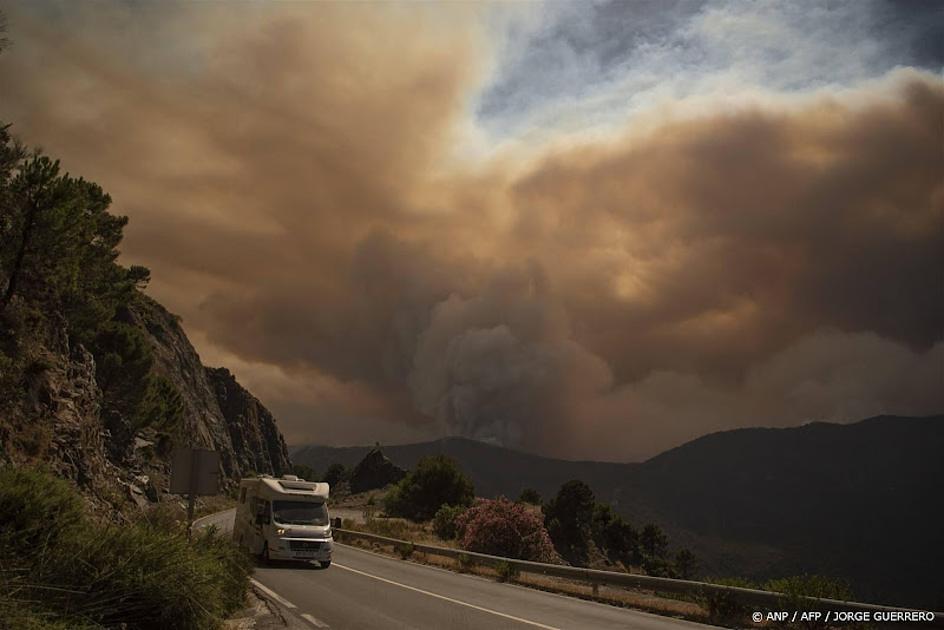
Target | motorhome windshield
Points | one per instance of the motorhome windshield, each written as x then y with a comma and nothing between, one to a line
299,513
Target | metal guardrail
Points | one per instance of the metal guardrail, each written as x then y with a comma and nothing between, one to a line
748,597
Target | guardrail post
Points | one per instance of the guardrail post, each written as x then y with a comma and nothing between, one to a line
596,588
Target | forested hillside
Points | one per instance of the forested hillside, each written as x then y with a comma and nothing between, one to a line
98,382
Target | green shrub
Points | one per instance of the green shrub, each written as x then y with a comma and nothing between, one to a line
436,481
123,361
162,406
811,586
168,516
444,523
465,562
568,518
230,564
335,474
724,608
143,575
506,571
35,509
685,564
14,616
305,472
405,550
613,535
653,541
796,588
531,496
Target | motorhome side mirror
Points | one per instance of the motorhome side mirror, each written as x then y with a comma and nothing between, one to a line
262,519
336,522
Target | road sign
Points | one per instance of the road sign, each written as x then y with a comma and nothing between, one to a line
195,471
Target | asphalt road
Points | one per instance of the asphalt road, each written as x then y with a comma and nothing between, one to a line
362,590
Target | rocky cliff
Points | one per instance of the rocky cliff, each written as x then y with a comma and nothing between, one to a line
98,382
56,417
50,409
220,413
257,445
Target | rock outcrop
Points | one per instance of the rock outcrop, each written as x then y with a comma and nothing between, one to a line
375,471
220,413
58,423
57,417
66,399
257,445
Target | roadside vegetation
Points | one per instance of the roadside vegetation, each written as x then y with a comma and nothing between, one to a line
60,568
723,609
588,533
436,481
500,527
433,505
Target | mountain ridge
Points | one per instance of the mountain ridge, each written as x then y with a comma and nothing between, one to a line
848,500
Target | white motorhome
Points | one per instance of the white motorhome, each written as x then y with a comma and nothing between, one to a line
284,519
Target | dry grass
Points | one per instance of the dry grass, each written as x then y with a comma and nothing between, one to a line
65,570
359,500
402,529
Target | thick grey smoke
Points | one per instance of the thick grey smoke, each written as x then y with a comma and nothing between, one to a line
293,183
502,365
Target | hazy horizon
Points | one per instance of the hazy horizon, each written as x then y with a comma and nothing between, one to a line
294,448
584,230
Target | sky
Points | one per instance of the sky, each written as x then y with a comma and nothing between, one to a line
591,230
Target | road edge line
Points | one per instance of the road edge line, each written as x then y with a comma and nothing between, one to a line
318,623
532,588
268,591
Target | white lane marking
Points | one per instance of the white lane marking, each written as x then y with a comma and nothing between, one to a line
448,599
318,623
272,594
537,591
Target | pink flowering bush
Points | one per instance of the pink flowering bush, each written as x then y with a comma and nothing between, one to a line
503,528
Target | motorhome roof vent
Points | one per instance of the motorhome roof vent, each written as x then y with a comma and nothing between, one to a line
298,485
290,478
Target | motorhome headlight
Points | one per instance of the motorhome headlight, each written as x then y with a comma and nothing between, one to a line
280,531
328,533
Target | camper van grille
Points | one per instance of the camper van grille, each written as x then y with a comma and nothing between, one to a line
304,545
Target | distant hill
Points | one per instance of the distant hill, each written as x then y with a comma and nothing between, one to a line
862,501
493,469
